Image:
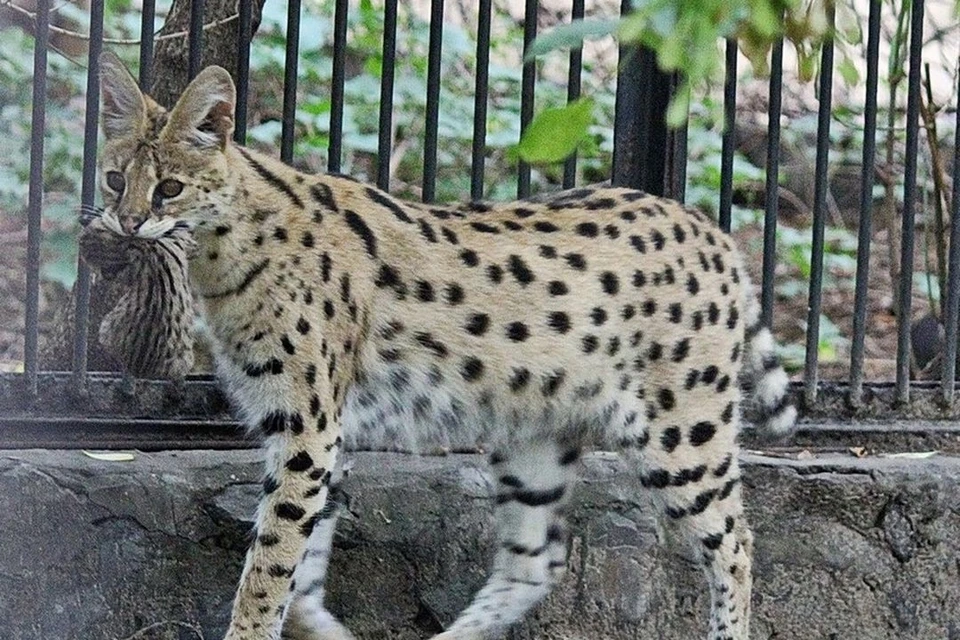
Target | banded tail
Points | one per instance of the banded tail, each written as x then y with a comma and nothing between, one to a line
763,380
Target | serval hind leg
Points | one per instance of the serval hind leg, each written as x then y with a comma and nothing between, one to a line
692,471
532,487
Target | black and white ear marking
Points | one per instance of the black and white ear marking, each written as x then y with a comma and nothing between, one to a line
204,114
123,109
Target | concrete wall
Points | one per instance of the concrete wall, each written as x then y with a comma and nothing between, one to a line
846,549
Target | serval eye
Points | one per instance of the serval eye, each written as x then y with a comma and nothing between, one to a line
170,188
116,181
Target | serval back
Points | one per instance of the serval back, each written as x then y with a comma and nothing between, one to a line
342,316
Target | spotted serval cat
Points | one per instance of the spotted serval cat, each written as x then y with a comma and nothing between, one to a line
344,317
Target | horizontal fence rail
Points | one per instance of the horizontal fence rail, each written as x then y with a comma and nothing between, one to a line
37,406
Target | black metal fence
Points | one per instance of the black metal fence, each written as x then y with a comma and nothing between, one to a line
87,409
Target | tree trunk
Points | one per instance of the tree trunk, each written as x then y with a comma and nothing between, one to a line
219,45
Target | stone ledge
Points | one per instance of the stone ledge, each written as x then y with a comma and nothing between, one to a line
846,548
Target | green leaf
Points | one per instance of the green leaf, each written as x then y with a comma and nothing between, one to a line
848,71
570,36
555,133
679,108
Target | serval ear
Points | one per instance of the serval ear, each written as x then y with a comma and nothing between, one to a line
203,115
123,108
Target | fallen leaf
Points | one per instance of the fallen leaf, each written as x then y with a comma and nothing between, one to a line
910,455
110,456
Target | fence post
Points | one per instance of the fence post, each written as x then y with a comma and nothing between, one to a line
646,155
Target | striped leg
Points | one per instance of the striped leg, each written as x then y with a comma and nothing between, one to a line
533,486
700,507
720,535
306,618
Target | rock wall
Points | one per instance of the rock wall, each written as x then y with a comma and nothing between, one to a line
846,549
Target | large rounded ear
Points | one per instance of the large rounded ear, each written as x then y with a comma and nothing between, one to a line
203,115
123,109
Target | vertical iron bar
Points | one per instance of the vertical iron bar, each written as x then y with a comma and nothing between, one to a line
335,150
772,195
244,35
386,94
528,83
573,92
675,162
433,101
35,202
147,18
948,380
866,205
195,39
88,191
480,101
729,141
289,116
819,215
909,203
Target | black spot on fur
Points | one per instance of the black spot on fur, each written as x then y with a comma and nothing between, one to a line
427,340
558,321
519,379
589,343
670,439
425,291
587,229
681,350
477,324
517,331
289,511
359,226
272,366
300,462
326,265
676,312
483,227
552,382
453,294
323,195
472,369
519,269
548,252
702,433
390,204
270,485
666,399
427,231
576,261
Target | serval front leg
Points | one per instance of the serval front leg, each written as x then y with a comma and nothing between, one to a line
302,447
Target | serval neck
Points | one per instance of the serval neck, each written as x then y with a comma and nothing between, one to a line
233,242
